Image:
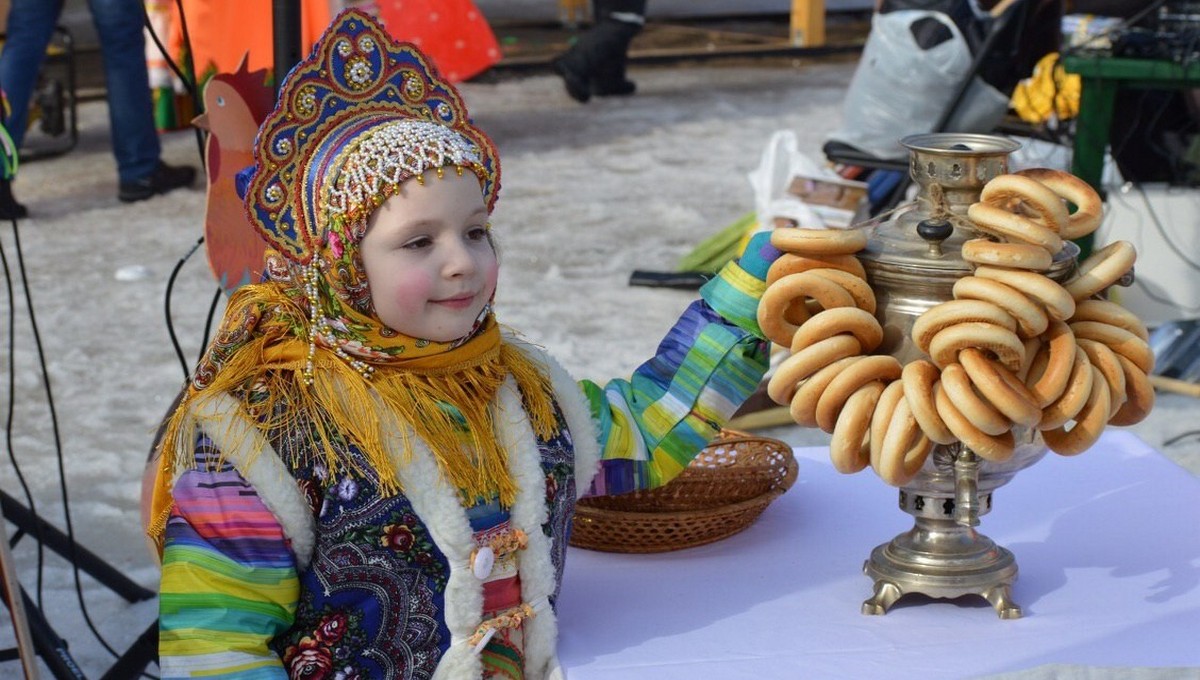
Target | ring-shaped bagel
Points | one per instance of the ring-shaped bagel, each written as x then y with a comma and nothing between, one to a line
905,447
1118,340
1089,209
994,448
1105,360
952,312
830,322
1089,422
878,368
892,395
1139,394
920,379
1058,302
998,254
1079,386
1000,341
1032,347
791,263
777,299
957,385
849,449
1009,226
819,241
782,385
1030,317
859,289
1102,269
1003,190
1110,313
1001,388
1058,348
803,407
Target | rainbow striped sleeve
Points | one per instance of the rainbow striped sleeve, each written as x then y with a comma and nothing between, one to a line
228,579
652,425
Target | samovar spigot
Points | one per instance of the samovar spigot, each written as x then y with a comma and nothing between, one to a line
966,487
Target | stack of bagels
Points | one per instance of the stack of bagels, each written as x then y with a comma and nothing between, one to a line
1013,348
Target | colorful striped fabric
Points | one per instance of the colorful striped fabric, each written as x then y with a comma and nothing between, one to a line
228,579
652,425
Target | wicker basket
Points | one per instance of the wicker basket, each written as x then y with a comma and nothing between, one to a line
721,492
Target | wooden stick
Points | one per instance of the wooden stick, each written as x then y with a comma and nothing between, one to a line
16,607
1175,385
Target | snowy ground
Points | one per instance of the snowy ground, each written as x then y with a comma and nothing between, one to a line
590,193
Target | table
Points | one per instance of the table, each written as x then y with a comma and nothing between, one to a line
1102,76
1106,542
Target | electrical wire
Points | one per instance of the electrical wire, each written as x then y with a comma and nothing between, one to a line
58,448
1107,33
187,372
1158,226
10,417
1180,437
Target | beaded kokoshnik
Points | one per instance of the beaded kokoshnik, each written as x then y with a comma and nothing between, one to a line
354,121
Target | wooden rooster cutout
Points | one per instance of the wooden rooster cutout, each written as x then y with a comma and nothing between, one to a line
235,104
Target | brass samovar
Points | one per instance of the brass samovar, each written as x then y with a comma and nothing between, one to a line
912,262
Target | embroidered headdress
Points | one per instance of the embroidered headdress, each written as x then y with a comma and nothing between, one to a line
304,351
380,115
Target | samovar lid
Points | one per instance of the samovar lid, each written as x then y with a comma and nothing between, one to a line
924,238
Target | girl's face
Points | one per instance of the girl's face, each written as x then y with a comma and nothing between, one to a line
428,259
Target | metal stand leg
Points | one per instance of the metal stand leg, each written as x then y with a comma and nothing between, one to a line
46,641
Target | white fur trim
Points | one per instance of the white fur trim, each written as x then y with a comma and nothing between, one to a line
528,513
437,504
243,445
576,412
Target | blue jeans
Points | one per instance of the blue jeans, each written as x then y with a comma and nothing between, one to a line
122,44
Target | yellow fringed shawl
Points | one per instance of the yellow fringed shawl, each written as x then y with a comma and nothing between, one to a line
443,397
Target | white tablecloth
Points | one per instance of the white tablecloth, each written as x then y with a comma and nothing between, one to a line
1108,546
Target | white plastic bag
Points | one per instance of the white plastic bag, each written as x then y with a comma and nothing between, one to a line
781,161
900,89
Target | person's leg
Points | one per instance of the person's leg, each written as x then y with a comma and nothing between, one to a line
30,26
627,18
596,63
130,109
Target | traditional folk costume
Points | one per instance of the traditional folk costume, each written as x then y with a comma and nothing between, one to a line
338,500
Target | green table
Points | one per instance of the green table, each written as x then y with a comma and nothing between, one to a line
1102,77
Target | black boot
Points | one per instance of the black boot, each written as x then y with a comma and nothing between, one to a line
599,52
608,80
9,208
573,68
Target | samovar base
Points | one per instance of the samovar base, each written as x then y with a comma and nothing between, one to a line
941,559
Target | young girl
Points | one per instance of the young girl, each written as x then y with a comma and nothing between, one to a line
367,477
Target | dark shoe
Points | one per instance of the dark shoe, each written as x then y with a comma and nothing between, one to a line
9,208
575,81
621,88
164,178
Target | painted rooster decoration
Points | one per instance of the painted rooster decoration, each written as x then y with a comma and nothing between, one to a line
234,106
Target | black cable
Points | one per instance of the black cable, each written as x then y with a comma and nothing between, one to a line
1158,226
212,313
187,371
1180,437
1131,21
62,472
9,419
189,85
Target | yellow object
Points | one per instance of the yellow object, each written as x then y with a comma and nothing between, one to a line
1049,92
808,23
